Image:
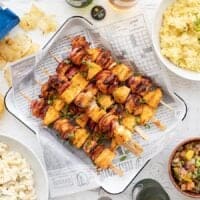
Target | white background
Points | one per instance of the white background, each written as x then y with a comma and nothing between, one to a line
188,90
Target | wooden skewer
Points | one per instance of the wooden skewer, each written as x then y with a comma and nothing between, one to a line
134,147
55,58
158,123
45,71
68,37
26,97
166,105
116,170
38,82
141,133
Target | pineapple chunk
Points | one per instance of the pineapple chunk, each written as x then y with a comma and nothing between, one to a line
129,121
78,83
104,160
189,155
105,101
51,116
82,120
79,80
122,71
70,93
93,53
58,104
93,69
153,98
147,114
122,135
95,113
120,94
80,136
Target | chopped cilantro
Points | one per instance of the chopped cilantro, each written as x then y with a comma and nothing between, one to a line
197,24
137,119
142,101
71,136
50,101
127,151
123,158
84,62
147,126
84,74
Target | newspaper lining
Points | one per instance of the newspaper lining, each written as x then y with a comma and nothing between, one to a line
69,169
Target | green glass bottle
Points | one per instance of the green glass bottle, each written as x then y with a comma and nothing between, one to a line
79,3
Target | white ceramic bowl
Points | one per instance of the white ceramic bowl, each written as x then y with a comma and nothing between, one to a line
40,175
156,42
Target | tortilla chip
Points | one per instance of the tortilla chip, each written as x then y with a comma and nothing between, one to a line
7,76
30,20
12,49
2,63
33,49
47,24
36,18
1,104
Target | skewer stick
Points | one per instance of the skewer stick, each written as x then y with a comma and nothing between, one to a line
45,71
26,97
116,170
158,123
166,105
141,133
38,82
55,58
134,147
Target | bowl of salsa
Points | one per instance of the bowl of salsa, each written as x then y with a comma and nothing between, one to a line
184,167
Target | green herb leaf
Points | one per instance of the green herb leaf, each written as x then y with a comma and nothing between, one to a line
197,24
84,62
142,101
147,126
71,136
84,74
50,101
123,158
127,151
198,40
138,120
197,163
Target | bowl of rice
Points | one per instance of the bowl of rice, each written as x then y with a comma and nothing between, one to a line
176,36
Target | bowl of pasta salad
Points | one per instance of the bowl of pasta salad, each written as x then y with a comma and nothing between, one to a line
176,36
22,175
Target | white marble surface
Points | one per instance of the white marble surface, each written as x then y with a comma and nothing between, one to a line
190,91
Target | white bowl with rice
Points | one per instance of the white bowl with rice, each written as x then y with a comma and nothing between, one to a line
176,36
22,175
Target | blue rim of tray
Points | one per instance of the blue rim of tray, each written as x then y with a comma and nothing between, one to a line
9,90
